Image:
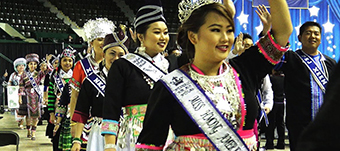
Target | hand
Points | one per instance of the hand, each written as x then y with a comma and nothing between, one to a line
267,110
52,118
6,74
75,147
239,46
48,57
230,6
56,127
265,17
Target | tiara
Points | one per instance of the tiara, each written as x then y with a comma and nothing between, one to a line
186,7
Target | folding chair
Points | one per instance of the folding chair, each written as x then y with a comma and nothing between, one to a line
9,138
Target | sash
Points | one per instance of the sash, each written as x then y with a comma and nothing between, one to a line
320,77
96,80
202,111
35,85
59,82
263,113
145,65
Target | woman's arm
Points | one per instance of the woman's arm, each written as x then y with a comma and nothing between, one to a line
281,22
77,134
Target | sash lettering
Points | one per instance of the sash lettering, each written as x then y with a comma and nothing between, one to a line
35,86
202,111
145,66
59,82
98,82
320,77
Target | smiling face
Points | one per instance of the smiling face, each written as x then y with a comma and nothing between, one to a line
113,54
155,39
66,63
310,38
32,66
97,45
214,39
20,68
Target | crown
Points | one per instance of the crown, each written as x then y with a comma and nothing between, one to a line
186,7
68,52
176,81
98,28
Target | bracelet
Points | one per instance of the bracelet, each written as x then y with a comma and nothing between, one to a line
109,146
77,140
72,124
57,124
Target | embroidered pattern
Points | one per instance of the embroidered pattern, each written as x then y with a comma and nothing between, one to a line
61,111
75,84
272,51
222,90
110,127
131,125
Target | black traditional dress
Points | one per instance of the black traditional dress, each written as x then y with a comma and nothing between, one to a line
241,76
128,88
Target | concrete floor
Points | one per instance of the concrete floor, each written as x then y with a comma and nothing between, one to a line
42,143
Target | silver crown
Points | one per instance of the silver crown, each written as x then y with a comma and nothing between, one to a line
186,7
98,28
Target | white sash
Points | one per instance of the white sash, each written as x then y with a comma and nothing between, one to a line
202,111
59,82
320,77
145,65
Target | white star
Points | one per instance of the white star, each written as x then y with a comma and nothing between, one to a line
259,28
328,27
243,18
297,29
314,11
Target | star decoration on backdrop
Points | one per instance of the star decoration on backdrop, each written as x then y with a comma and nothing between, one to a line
328,27
314,11
259,28
243,18
297,29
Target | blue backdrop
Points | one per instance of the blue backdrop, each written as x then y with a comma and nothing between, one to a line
330,41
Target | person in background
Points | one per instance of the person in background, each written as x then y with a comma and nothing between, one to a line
2,79
19,65
29,88
95,32
128,76
306,75
91,97
276,116
58,79
323,132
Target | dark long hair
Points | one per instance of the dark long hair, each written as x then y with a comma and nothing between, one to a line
196,20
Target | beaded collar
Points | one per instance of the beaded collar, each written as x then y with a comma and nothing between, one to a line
222,90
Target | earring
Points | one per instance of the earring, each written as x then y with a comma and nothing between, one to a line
92,53
141,48
103,62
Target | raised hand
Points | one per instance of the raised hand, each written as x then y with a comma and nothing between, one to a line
239,46
265,17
